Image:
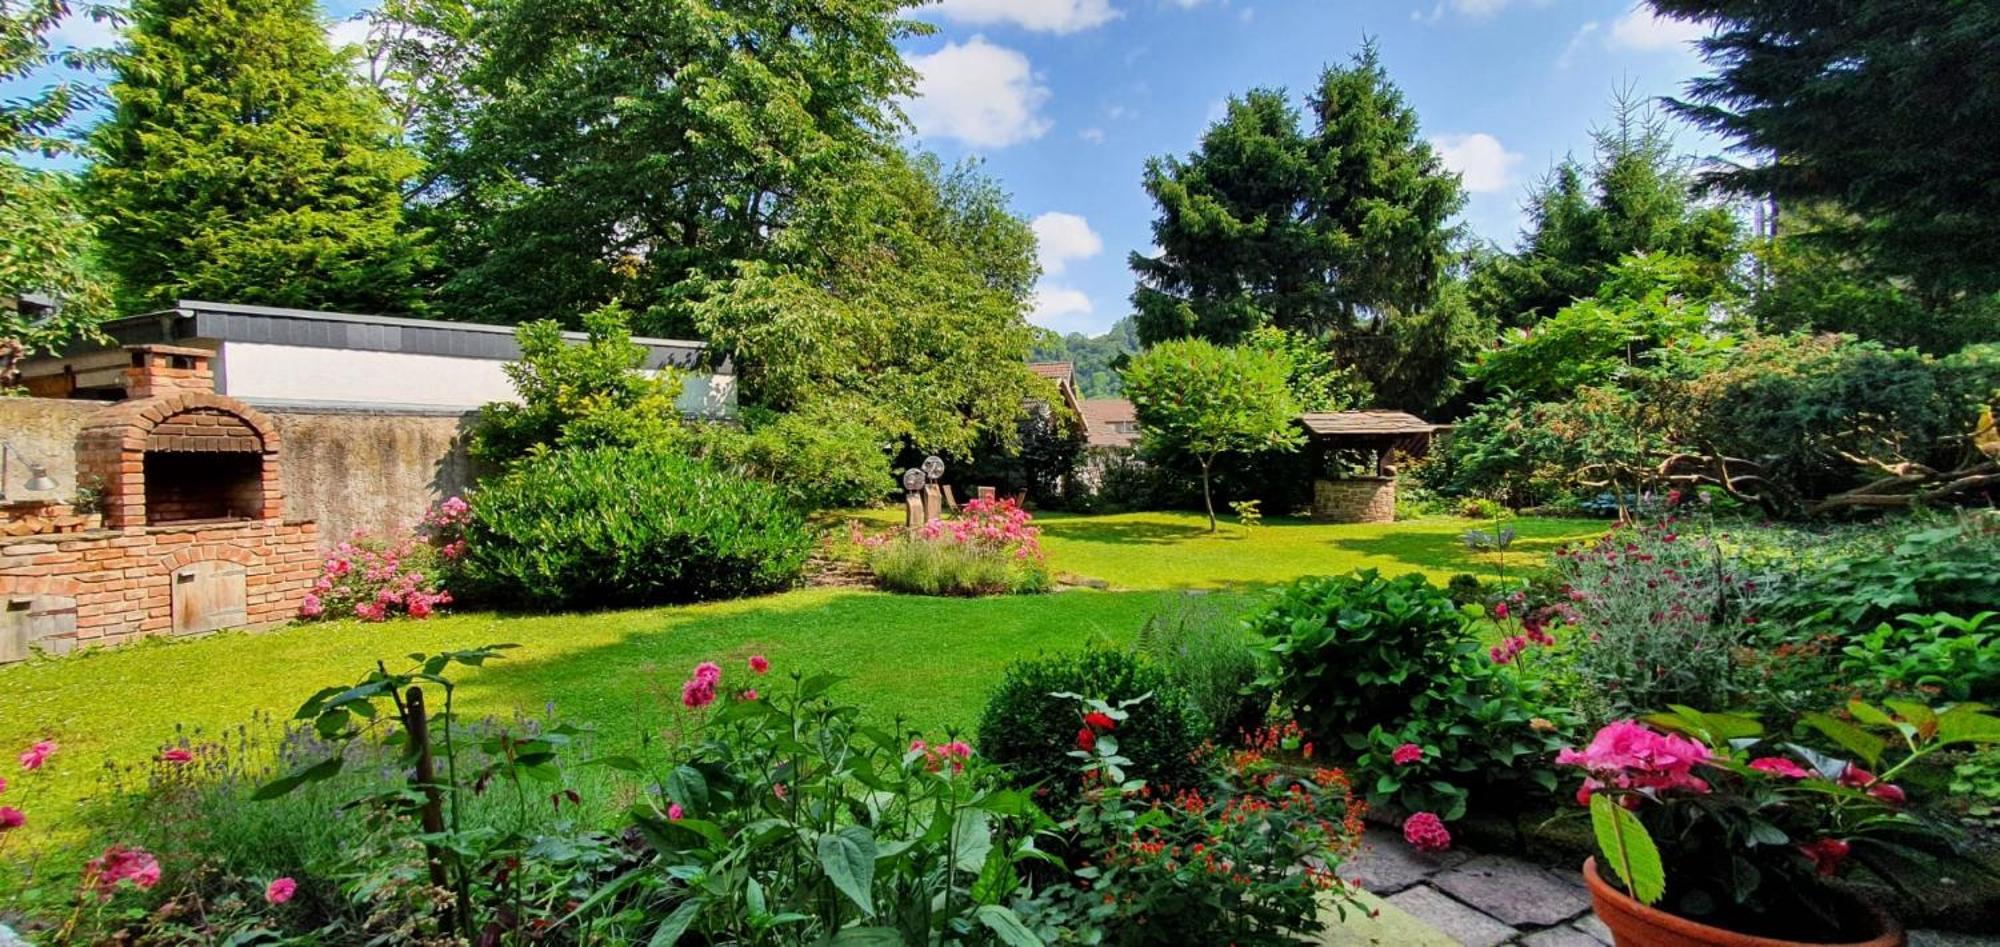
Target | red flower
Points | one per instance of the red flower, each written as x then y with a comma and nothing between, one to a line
281,890
1406,754
11,818
1099,720
1889,793
759,663
1778,766
1826,855
179,754
1426,832
1086,739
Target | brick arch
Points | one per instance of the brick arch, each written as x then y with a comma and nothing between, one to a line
207,553
113,446
58,585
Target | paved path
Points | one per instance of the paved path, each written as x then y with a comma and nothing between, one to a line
1479,900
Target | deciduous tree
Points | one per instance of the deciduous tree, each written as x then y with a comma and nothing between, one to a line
1202,400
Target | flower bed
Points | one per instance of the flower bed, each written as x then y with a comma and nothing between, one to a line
990,548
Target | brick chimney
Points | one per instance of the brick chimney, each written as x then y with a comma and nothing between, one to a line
167,369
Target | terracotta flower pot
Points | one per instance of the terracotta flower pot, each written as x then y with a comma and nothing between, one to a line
1635,925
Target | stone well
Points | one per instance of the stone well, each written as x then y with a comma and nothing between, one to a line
1355,500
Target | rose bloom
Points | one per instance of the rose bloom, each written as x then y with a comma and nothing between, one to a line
1098,720
119,864
281,891
34,756
1406,754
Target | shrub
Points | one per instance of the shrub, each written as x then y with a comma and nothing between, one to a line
1661,614
1351,652
1206,652
820,460
592,394
1029,734
1846,584
375,579
1954,658
988,549
606,527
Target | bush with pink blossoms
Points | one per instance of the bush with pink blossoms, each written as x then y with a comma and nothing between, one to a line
990,548
375,579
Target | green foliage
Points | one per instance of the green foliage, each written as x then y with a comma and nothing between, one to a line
1924,564
244,161
1976,783
1096,358
1873,107
1953,658
1642,305
819,458
593,394
1314,375
1636,197
585,153
1201,400
1208,655
1031,735
605,527
1351,652
1813,288
1315,229
936,248
918,566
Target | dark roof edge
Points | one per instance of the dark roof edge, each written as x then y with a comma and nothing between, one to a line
192,306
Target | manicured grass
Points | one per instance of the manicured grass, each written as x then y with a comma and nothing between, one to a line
928,660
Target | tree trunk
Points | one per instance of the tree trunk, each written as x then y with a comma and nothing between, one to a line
1207,499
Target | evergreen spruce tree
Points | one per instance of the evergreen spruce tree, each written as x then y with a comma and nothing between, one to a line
245,162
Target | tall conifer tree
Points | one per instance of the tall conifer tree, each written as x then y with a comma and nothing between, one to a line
246,162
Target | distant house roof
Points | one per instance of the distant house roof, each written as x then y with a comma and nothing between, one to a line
228,322
1367,423
1109,422
1057,372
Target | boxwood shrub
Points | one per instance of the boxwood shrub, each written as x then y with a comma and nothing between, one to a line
1030,733
608,527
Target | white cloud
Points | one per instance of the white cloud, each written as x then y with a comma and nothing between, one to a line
1470,9
347,33
979,93
81,31
1643,30
1047,16
1060,238
1061,308
1093,135
1486,164
1576,43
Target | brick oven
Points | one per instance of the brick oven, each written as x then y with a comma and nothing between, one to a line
193,538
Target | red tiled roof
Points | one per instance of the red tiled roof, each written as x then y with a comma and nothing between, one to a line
1054,371
1367,422
1110,422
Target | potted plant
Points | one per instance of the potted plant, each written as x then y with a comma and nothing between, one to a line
1711,832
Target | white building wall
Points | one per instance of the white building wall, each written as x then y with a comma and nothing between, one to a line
261,372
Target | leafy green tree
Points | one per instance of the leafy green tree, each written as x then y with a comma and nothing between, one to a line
902,304
593,394
1202,400
1313,374
1318,231
1881,107
1637,196
610,150
244,161
45,242
1808,286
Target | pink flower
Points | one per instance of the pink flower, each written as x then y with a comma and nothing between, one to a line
750,694
1826,855
779,790
281,890
1500,611
120,864
179,754
697,693
11,818
311,607
1426,832
1778,766
3,784
917,745
1629,755
1889,793
708,672
1407,753
759,663
675,812
39,753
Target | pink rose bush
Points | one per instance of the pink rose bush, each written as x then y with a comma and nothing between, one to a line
375,579
991,547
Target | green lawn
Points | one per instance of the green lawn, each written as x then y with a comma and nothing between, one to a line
929,660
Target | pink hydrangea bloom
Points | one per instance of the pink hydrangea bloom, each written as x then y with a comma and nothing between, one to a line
281,890
120,864
11,818
1406,754
759,663
1778,766
1426,832
34,756
1629,755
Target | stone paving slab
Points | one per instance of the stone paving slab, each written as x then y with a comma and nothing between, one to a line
1516,893
1451,918
1387,864
1565,936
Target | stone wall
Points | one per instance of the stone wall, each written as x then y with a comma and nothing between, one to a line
107,587
1355,500
346,470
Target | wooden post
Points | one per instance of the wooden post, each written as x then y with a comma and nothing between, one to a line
988,493
417,723
913,509
950,499
933,502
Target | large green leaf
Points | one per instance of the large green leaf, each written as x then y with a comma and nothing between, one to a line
1853,739
1629,848
848,858
972,838
1966,724
670,930
1004,923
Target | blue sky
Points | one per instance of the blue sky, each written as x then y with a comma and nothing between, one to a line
1063,100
